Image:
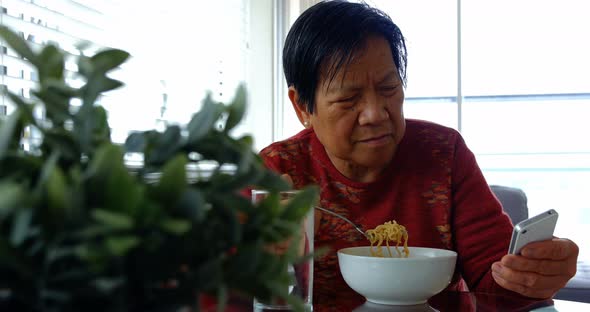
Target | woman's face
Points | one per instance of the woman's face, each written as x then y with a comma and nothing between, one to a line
358,115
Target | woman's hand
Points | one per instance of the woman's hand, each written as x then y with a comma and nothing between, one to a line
542,268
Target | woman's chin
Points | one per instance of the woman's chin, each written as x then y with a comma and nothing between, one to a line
377,158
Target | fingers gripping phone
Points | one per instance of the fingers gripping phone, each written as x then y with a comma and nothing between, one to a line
537,228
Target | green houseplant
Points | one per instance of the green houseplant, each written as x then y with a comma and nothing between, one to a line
79,231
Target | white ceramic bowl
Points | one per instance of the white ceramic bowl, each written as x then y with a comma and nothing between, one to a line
397,281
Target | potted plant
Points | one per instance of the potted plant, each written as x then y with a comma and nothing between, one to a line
80,231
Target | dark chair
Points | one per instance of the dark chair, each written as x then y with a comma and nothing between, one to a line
514,202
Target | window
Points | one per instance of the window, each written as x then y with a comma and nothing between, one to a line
431,91
178,53
512,76
174,66
526,99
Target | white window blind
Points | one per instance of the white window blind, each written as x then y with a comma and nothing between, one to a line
179,51
178,54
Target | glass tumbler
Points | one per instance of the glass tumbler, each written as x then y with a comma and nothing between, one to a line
301,272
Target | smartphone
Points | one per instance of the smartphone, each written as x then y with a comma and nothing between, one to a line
537,228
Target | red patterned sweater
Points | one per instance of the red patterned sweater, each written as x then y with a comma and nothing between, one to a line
433,187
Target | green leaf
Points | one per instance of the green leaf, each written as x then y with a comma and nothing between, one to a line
270,205
270,268
112,219
26,109
228,183
120,245
11,195
21,165
175,226
192,205
279,230
58,253
96,85
102,161
247,141
298,206
247,157
121,192
165,146
57,199
61,88
7,131
85,66
21,226
271,181
46,171
244,263
150,213
173,181
203,121
92,231
18,44
52,63
95,257
56,106
135,142
61,140
101,131
109,59
107,285
234,200
237,108
83,127
56,96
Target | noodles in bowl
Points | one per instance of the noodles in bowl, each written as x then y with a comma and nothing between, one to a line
410,277
397,281
389,231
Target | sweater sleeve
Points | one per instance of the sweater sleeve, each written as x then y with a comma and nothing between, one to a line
482,230
272,163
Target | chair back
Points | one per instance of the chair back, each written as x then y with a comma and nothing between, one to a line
513,200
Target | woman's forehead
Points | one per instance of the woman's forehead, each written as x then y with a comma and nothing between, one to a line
373,56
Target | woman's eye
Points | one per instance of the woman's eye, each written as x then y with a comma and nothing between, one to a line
347,99
389,90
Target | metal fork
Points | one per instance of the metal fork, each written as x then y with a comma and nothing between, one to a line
356,227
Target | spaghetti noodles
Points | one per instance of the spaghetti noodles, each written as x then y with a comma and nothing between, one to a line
389,231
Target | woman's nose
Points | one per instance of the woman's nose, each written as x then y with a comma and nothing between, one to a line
373,111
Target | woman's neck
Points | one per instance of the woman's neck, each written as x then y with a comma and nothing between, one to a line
355,172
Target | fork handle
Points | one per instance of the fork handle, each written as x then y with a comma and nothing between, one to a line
356,227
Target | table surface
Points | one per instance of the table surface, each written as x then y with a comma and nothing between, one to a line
445,301
465,301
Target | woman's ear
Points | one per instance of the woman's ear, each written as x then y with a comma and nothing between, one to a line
300,109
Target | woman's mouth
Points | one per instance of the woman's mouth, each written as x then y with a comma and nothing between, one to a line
377,140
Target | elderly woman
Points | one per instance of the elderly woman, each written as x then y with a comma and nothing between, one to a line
345,65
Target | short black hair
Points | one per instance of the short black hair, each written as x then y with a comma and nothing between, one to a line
327,36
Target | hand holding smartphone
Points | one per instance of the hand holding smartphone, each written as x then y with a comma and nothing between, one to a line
537,228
